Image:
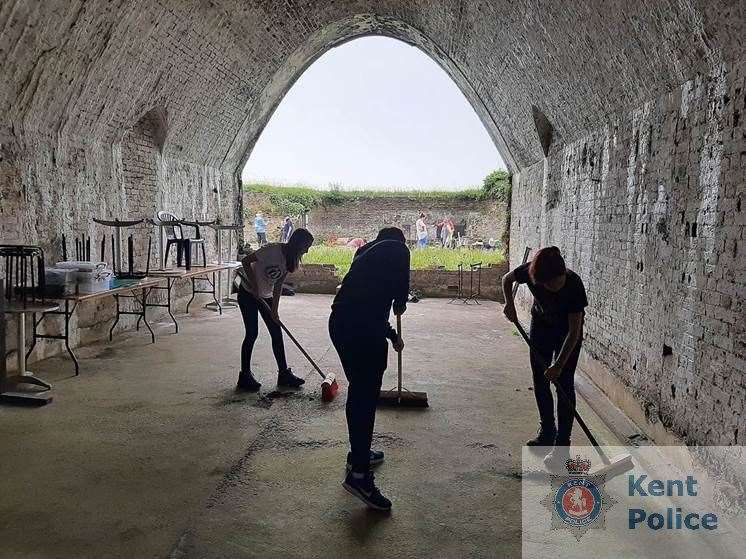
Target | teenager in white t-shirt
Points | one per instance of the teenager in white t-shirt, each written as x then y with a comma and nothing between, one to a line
261,276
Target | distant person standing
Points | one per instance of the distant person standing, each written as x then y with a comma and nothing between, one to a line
355,243
287,229
260,226
447,233
439,229
421,228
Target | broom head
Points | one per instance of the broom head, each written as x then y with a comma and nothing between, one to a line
329,388
404,399
616,466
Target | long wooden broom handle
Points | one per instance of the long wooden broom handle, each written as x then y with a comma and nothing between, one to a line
398,353
564,396
297,344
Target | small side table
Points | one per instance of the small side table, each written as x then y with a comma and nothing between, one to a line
225,301
9,384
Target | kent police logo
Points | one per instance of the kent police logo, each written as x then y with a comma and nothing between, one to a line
578,501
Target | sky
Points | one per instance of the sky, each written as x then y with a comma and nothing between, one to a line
374,113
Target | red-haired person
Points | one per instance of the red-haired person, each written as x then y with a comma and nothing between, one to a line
556,335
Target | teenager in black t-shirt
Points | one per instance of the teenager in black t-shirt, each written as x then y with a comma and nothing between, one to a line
556,334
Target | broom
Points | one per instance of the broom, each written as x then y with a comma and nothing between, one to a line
329,386
611,468
401,396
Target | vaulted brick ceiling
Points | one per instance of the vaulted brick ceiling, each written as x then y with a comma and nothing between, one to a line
89,70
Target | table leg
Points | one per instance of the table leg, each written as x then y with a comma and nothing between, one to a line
217,299
22,375
145,292
68,316
194,293
116,320
170,283
33,336
21,343
219,286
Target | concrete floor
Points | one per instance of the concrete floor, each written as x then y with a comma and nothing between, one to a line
149,453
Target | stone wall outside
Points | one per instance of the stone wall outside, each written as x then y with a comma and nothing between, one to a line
363,216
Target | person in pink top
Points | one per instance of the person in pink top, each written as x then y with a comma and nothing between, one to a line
355,243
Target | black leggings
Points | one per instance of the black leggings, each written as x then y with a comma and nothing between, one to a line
548,340
250,311
364,361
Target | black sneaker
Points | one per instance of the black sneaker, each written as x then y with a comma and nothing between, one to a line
376,458
365,489
287,378
542,438
247,382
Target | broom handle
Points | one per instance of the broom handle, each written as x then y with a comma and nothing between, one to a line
564,396
300,347
398,353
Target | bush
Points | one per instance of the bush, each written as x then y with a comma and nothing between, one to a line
497,185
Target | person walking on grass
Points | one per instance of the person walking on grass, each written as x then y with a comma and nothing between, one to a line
260,226
421,228
360,331
556,334
260,280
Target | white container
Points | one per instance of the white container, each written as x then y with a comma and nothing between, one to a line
94,281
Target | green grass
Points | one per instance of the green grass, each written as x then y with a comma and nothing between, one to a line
422,259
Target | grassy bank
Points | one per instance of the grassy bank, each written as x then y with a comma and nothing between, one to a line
295,200
422,259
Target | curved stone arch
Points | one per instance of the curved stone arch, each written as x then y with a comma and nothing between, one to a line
334,35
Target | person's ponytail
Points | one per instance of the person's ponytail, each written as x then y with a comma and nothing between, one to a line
300,240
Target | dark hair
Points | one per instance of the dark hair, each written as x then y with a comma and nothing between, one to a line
392,234
547,265
299,240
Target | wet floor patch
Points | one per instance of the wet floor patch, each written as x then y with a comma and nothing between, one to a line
482,445
389,439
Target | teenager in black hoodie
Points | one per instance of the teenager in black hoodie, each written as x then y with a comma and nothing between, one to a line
360,331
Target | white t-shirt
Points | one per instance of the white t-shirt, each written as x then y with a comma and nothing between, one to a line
421,228
269,267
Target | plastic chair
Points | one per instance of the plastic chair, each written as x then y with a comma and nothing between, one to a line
175,236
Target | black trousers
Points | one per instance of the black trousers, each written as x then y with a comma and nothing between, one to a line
364,358
547,340
250,311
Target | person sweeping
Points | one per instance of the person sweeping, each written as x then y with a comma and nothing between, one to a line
556,334
261,277
360,331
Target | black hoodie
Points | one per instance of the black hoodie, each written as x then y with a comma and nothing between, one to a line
378,277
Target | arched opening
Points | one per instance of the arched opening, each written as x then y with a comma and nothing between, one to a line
379,115
374,113
337,34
